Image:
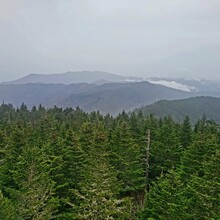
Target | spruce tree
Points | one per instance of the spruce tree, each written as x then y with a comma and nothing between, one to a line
33,196
97,197
186,133
7,209
126,158
167,199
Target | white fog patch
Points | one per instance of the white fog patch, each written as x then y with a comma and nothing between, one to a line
134,80
174,85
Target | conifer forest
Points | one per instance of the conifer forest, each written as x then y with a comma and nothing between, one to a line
67,164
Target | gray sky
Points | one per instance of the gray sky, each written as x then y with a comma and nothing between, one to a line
128,37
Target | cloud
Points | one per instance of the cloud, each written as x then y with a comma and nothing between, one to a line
121,36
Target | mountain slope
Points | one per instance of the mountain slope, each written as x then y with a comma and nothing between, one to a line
107,98
69,78
116,97
193,107
35,94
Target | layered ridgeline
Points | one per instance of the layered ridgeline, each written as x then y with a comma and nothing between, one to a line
68,164
107,98
91,91
67,78
194,107
106,92
113,98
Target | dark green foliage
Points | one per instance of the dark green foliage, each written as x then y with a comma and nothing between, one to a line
193,107
68,164
166,148
35,197
97,197
7,209
192,190
186,133
167,199
126,160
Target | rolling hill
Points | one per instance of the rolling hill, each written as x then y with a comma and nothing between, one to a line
37,93
107,98
194,107
106,92
115,97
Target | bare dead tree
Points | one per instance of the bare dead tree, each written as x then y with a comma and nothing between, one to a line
147,158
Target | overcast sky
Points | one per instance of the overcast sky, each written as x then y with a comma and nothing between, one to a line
128,37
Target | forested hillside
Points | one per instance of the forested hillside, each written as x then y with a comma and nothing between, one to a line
110,98
68,164
194,107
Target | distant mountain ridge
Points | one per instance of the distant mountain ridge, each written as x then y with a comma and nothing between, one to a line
113,98
37,93
100,78
72,78
107,98
96,90
194,107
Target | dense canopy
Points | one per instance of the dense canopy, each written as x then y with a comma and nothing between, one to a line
67,164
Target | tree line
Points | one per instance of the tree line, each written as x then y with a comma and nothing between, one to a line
67,164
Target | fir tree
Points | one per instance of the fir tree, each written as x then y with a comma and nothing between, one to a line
126,158
7,209
34,195
97,197
186,133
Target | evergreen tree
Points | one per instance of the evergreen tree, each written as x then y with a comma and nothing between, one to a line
201,176
126,158
68,164
7,210
97,197
33,196
192,190
167,199
186,133
165,148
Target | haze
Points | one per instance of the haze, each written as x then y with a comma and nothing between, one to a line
140,38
